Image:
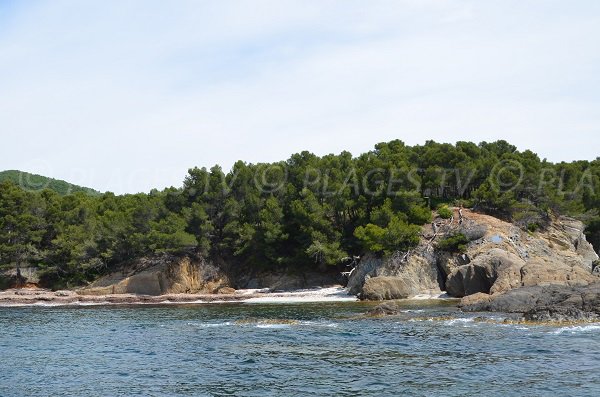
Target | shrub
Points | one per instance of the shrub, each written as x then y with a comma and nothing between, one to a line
453,243
444,212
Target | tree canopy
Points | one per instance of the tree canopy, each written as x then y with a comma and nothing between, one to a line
306,212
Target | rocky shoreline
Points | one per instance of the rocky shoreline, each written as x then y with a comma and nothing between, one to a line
547,275
41,297
538,304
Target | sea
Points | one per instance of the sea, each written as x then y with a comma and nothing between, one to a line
289,349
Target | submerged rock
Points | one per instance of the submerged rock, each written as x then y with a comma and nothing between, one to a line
385,309
559,314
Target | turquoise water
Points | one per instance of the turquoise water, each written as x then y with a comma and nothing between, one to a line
287,350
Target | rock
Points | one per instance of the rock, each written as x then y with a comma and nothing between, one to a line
559,314
540,272
583,248
366,267
418,274
473,231
24,277
541,303
385,309
226,291
477,298
447,263
496,271
166,274
384,288
65,293
498,257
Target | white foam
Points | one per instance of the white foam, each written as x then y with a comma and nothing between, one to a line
275,326
319,324
251,291
577,329
89,303
331,294
455,321
211,325
430,296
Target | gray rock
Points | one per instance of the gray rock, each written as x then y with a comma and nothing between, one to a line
559,314
544,303
473,231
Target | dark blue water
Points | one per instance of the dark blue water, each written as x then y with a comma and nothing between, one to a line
287,350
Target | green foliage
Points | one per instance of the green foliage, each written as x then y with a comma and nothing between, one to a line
37,183
308,212
444,212
453,243
397,235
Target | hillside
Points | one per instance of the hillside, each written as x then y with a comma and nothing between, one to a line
305,214
34,182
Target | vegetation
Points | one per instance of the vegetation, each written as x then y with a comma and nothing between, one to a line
308,212
454,243
444,212
33,182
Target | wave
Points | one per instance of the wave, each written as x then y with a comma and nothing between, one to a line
275,326
460,320
212,325
575,329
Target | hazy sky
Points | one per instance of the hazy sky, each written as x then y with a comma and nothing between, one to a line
127,95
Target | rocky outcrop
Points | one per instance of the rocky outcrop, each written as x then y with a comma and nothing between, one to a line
399,276
541,303
494,271
166,274
497,257
27,277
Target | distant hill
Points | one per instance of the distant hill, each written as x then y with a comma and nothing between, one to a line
33,182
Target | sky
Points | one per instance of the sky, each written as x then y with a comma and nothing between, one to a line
126,96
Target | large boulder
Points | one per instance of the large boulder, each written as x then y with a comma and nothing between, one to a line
385,288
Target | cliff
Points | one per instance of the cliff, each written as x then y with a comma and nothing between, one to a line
165,274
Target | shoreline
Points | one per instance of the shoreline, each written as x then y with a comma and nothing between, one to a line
42,297
37,297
